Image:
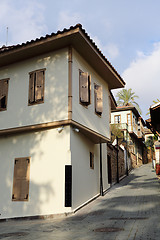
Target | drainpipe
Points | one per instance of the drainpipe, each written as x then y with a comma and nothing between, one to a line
101,178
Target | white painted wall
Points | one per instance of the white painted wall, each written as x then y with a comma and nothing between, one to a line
86,181
86,115
55,106
49,152
123,115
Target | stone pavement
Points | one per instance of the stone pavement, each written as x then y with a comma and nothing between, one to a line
129,211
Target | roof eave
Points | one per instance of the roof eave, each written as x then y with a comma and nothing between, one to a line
76,37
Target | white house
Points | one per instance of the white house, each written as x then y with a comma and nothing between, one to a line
54,124
132,125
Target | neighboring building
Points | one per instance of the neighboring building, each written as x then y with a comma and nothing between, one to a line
154,122
128,119
148,133
154,125
54,124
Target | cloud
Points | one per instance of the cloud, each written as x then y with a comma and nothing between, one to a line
67,19
109,50
25,21
143,76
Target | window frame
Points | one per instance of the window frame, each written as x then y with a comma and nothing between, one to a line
129,124
35,101
115,119
91,160
6,95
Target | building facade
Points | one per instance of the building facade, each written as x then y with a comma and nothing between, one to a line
54,124
128,119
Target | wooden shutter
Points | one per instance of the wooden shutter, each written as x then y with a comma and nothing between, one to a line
98,99
3,93
21,179
84,88
39,86
31,88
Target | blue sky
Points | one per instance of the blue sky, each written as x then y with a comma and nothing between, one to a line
127,32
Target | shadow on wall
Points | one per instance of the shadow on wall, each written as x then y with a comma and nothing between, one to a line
20,146
24,145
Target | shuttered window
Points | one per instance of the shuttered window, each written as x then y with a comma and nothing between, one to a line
98,91
3,94
21,179
36,86
91,160
84,88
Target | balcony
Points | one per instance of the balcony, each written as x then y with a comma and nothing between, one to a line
122,126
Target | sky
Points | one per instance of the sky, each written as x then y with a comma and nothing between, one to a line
127,32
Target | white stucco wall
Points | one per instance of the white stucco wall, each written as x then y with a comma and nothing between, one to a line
86,181
49,152
55,106
123,115
86,115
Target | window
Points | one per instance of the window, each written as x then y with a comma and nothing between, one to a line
91,160
3,94
117,119
84,88
36,87
98,99
21,179
129,119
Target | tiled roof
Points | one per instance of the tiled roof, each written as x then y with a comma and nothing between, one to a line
128,107
5,49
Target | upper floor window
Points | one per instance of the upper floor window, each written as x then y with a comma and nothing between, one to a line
84,88
98,92
36,86
129,119
3,94
117,119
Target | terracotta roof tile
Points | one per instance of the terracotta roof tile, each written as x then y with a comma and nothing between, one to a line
10,48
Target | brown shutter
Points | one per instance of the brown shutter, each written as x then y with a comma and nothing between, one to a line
98,99
84,88
31,88
21,179
39,87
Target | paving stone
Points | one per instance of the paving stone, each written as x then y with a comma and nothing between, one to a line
132,206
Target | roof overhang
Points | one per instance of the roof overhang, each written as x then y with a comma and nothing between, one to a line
75,37
127,108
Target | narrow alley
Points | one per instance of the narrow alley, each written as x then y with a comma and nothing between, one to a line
129,211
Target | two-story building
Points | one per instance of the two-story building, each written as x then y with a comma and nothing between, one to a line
54,124
132,124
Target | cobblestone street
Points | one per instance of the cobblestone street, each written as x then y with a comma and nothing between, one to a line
129,211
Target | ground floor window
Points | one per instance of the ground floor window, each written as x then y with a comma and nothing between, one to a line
21,179
91,160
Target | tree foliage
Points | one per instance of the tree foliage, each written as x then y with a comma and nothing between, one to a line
126,97
116,132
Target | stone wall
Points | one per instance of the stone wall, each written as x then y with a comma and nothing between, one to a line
112,152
